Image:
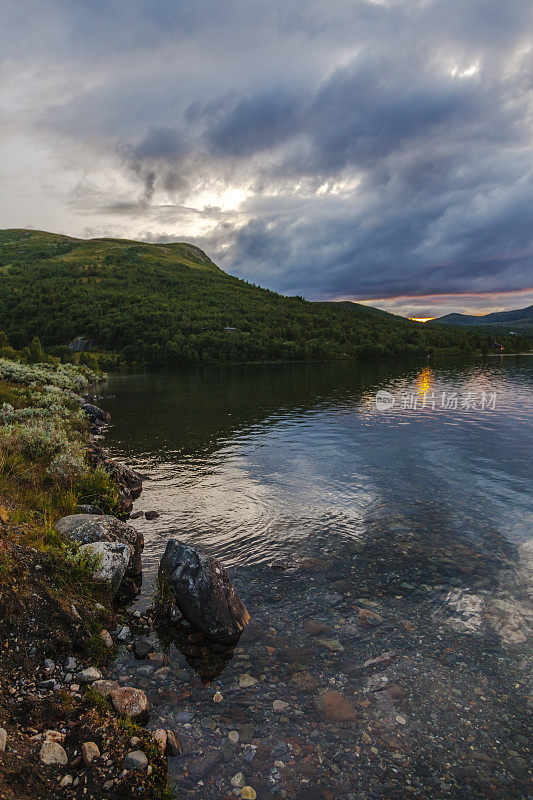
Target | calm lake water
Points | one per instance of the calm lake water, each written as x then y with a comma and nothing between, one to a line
255,463
328,510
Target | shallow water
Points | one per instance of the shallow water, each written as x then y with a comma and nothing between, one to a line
325,508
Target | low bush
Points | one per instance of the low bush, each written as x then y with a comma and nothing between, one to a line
44,473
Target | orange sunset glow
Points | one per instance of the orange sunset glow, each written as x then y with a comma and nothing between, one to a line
424,381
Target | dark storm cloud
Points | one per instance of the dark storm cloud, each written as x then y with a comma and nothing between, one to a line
253,124
382,148
157,155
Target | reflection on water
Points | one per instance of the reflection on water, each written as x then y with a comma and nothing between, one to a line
256,462
382,556
208,659
424,380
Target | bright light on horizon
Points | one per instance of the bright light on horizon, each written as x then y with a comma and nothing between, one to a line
421,319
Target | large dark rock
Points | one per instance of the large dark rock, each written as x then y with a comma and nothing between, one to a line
203,592
96,414
126,476
88,528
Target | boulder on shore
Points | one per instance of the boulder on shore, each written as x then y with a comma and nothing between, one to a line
95,413
90,528
203,592
113,560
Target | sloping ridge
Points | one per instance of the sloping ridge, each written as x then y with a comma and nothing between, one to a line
519,315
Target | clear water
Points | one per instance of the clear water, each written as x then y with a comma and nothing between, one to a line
253,463
322,505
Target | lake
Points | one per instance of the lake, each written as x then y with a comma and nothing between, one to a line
377,511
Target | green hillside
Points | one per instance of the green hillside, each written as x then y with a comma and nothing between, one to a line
165,304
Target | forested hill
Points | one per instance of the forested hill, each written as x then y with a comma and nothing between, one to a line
165,304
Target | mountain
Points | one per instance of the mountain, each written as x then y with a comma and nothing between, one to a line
166,304
520,319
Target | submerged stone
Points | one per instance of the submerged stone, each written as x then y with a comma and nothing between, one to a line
334,706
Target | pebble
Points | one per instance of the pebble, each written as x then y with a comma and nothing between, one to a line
246,681
331,644
217,697
130,702
173,745
160,735
142,648
136,760
238,780
248,793
3,740
89,675
66,781
124,634
334,706
280,705
104,687
233,736
89,751
105,636
52,753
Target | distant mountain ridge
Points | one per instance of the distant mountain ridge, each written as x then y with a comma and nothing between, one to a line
520,318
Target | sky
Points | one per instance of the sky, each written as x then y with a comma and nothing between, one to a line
371,150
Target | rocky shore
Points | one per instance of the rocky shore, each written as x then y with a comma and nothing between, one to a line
64,730
67,730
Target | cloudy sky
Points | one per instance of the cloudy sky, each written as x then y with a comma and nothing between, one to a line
374,150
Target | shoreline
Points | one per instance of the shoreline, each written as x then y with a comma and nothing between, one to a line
60,735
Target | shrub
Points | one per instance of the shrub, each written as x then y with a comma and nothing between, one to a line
96,486
64,376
